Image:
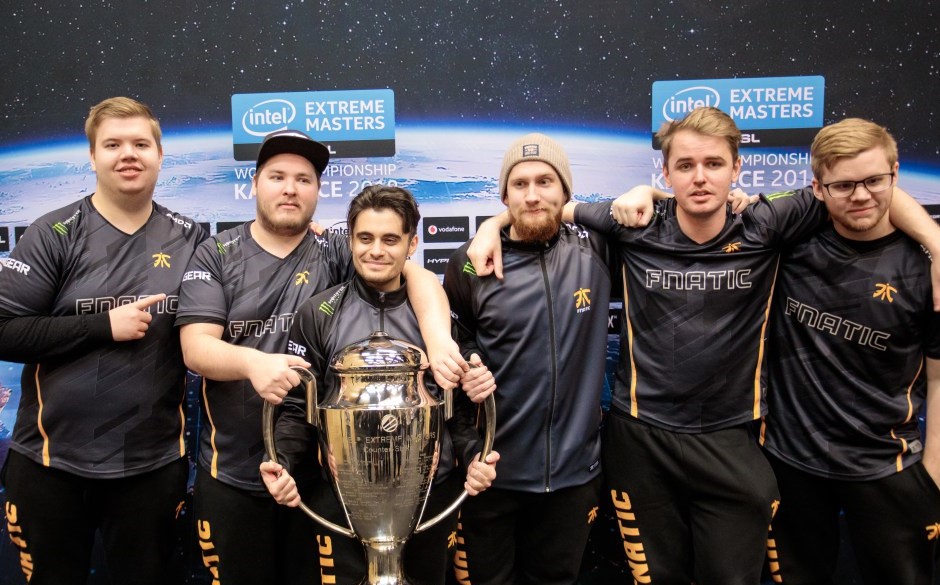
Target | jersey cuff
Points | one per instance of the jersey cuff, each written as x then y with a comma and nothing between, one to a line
99,326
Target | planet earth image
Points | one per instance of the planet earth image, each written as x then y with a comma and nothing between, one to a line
452,170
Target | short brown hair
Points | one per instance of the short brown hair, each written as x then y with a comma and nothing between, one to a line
847,139
119,107
704,120
379,197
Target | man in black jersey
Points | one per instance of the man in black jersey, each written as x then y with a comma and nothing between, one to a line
237,301
692,492
86,302
853,356
382,225
543,332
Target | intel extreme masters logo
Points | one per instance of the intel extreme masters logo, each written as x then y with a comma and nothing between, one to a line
353,124
769,111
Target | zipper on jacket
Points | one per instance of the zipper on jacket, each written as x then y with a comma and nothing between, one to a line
554,363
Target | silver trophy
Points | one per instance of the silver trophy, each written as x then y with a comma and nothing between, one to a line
380,433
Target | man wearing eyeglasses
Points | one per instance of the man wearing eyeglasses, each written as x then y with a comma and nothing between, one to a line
853,356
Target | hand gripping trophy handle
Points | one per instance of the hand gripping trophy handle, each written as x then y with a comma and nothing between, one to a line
310,386
310,390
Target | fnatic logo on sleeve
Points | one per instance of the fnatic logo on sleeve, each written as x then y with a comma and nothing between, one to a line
161,260
884,292
731,247
62,227
933,531
302,278
582,300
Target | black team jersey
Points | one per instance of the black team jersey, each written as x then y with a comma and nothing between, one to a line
92,406
851,325
325,325
233,282
695,315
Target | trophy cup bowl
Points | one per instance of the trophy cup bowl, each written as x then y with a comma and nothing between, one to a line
380,435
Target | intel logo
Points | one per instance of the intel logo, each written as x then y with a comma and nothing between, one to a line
684,101
268,116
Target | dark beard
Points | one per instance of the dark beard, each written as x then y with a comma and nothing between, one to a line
283,228
537,232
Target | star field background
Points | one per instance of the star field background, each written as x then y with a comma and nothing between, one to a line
583,63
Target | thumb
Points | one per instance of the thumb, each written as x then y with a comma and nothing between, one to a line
271,467
475,360
296,360
498,263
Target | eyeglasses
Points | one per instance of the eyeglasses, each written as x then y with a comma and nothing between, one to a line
873,184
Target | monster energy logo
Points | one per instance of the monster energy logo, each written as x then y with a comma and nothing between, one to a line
327,308
222,247
62,227
468,268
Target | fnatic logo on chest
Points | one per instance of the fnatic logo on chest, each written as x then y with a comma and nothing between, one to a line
698,279
884,292
62,227
582,300
302,278
836,326
93,306
731,247
161,260
258,328
933,531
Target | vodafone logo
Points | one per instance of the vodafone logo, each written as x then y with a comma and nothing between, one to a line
446,229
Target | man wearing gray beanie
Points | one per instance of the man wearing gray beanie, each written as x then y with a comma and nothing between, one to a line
549,315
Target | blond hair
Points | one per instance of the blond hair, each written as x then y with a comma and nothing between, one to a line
848,139
704,120
119,107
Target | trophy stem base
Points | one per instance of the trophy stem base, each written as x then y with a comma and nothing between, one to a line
384,564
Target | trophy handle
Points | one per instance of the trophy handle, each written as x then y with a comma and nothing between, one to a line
489,432
310,385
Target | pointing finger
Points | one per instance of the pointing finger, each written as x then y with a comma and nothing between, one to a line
148,301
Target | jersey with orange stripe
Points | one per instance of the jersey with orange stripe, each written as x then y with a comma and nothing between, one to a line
851,325
694,316
92,406
253,294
